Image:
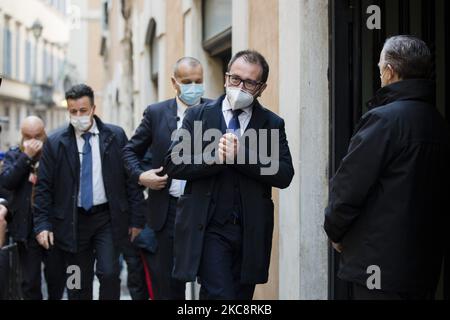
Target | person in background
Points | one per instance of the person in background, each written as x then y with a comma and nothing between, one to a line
224,225
85,203
152,139
19,177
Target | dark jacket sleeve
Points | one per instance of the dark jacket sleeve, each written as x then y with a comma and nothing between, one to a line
44,190
368,154
16,168
196,168
135,196
278,172
137,147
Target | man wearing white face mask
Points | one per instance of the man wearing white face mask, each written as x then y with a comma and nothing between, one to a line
85,204
224,228
154,136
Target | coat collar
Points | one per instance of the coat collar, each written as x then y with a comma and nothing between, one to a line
414,89
171,115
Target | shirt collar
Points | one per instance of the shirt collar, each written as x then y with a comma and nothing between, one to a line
181,106
226,106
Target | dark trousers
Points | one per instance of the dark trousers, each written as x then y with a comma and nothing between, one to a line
161,262
220,267
4,273
31,257
136,282
95,244
363,293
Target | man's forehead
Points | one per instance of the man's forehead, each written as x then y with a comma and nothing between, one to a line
79,103
33,129
246,69
186,71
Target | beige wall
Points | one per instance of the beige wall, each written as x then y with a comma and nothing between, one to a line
174,39
95,70
263,36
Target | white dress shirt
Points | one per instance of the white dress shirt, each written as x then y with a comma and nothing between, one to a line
244,117
98,186
177,187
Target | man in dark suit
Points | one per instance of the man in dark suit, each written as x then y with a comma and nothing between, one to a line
85,204
224,223
153,138
388,207
19,177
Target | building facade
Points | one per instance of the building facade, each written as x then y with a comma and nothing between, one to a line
36,71
323,59
83,50
33,64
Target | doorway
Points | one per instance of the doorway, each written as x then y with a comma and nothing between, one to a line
354,74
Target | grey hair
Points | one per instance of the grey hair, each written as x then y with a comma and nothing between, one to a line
192,62
409,56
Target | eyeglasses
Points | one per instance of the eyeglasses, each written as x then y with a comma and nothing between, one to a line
248,84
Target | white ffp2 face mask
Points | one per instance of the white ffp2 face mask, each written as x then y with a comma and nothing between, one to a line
238,98
81,123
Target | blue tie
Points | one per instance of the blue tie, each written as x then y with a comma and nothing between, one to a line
234,124
87,195
235,127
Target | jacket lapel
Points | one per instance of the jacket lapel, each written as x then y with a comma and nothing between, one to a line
70,146
105,138
171,116
213,118
259,117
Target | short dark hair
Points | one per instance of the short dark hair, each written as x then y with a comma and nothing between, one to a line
254,57
409,56
79,91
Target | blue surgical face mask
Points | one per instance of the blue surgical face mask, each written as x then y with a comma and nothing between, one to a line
191,94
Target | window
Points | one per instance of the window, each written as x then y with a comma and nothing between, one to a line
217,21
217,30
7,52
44,65
28,76
52,69
153,45
18,48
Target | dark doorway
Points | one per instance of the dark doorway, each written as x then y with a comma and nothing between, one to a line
354,74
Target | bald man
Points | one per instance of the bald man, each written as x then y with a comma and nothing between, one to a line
19,177
153,136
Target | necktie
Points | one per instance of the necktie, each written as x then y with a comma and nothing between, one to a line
234,124
235,127
87,195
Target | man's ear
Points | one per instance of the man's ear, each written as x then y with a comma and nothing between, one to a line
391,71
174,84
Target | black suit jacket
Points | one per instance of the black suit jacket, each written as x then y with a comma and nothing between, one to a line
152,139
55,207
17,167
196,206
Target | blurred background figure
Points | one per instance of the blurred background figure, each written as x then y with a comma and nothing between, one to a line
19,177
